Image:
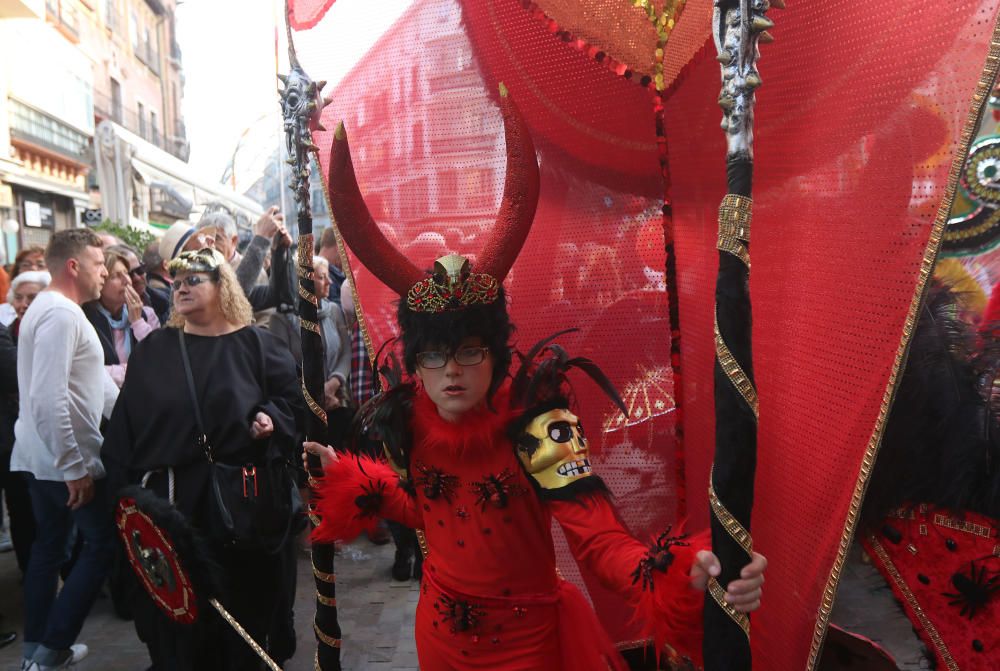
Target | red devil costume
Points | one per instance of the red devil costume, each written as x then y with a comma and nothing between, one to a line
484,490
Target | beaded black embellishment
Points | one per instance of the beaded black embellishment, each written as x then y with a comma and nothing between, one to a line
658,558
370,502
496,490
460,615
436,482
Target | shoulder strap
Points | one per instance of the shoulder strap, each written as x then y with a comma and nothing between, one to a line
262,351
203,438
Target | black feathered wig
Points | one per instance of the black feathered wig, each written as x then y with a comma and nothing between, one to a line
423,331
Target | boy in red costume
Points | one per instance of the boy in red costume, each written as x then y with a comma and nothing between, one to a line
481,464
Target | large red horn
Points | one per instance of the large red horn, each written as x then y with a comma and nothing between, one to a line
360,231
520,195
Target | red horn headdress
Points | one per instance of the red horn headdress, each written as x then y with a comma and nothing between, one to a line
453,284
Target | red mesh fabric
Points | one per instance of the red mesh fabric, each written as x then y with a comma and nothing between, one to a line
428,149
857,124
936,565
305,14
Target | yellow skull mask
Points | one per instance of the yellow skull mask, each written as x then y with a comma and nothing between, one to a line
560,457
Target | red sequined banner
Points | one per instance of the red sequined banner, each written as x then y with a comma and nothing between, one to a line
858,122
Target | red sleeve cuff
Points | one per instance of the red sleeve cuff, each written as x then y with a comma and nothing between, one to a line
670,609
350,497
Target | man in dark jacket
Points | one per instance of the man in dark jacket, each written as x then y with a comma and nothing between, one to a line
12,485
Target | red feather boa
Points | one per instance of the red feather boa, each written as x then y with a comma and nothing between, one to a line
479,429
342,483
671,612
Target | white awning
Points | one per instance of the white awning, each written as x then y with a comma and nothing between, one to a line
80,198
156,165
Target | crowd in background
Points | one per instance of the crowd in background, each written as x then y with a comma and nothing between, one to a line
79,316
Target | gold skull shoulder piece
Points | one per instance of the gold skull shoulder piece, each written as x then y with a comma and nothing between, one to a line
554,450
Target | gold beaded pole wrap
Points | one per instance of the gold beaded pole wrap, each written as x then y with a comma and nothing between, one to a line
738,27
734,237
238,628
301,106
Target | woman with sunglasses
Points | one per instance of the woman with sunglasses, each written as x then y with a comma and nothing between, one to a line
249,403
119,317
158,299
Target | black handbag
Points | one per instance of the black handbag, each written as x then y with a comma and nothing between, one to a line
253,505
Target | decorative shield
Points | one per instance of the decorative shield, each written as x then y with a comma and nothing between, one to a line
153,557
172,562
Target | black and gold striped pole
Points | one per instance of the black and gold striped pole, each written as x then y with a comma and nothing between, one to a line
738,27
301,106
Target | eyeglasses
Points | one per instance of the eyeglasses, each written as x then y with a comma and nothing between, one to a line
138,271
191,281
464,356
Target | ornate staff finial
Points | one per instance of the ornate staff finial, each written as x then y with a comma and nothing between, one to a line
301,107
738,28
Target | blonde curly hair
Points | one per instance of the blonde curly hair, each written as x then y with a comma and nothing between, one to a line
233,302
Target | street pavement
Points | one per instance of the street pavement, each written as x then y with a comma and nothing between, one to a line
376,616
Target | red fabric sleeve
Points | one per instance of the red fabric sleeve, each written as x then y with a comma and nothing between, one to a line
354,493
671,611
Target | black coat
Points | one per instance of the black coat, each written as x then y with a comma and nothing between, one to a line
103,329
8,391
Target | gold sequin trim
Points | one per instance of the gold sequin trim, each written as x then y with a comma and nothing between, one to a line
977,105
735,214
731,367
422,541
737,249
326,639
309,326
962,525
326,600
324,577
728,522
244,635
308,296
719,596
304,257
313,405
928,626
633,645
305,250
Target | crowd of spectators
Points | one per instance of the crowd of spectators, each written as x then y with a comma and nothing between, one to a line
92,398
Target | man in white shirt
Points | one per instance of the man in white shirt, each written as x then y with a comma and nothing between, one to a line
62,388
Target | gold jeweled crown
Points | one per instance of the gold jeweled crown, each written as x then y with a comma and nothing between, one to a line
453,286
205,260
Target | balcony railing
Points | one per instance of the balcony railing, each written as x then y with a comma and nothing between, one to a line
31,125
63,15
175,144
148,55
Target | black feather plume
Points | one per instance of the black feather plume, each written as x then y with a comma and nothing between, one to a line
940,445
540,383
385,417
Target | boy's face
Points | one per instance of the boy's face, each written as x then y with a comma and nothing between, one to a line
455,388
